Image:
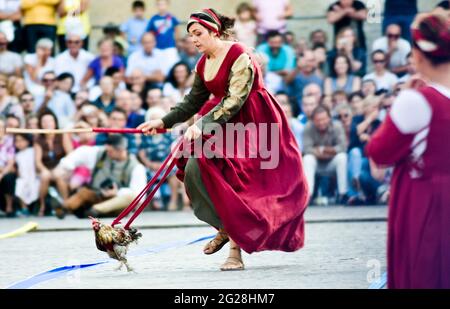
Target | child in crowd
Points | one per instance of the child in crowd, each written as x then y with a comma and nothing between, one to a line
135,27
245,26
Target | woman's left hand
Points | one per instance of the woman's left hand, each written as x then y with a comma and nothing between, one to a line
192,133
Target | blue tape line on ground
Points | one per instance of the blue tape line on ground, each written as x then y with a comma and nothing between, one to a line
61,271
380,283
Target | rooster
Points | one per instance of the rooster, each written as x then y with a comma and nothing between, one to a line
114,241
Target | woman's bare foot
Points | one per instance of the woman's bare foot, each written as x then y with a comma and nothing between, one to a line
234,261
217,243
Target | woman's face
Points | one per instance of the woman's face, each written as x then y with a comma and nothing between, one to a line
106,49
32,123
245,15
202,38
20,143
181,73
19,86
48,122
341,66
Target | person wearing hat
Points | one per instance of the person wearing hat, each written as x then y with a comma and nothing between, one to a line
116,177
413,139
253,206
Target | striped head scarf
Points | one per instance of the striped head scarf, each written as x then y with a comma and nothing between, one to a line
442,31
208,18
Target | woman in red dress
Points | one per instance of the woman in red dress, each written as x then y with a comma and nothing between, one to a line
414,138
255,207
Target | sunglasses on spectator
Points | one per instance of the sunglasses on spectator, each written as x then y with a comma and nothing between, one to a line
48,80
73,42
344,116
25,100
393,36
379,61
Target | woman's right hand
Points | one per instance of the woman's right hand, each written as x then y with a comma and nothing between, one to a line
149,127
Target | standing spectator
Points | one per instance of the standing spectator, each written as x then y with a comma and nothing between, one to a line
245,25
10,15
10,62
281,56
346,44
402,13
7,105
49,150
396,49
325,149
164,26
106,100
305,73
272,16
189,53
39,19
383,78
37,64
342,77
106,60
74,18
134,28
75,60
7,178
349,13
178,83
149,60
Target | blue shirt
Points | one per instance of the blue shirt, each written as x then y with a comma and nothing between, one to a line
295,88
134,29
285,60
164,29
157,148
98,71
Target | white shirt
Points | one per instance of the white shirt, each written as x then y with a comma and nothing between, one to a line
64,108
174,93
87,156
9,62
148,64
65,63
398,57
35,88
387,81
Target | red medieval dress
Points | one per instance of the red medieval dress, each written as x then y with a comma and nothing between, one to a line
419,206
261,209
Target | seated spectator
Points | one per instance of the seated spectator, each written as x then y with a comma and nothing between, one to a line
32,122
383,78
318,38
136,104
7,105
189,53
272,81
154,97
295,125
106,101
369,87
104,61
362,129
49,150
341,77
48,83
348,13
39,20
325,150
75,60
356,103
309,104
245,25
60,102
117,119
27,183
271,16
27,103
346,44
320,53
16,86
305,73
116,178
281,56
137,83
135,27
73,17
124,102
7,177
36,65
444,5
149,60
338,97
314,90
81,98
178,82
410,69
345,116
10,62
65,83
164,26
395,48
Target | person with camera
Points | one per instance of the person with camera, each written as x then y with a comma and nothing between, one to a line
116,175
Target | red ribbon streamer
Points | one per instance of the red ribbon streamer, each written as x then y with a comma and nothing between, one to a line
125,131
